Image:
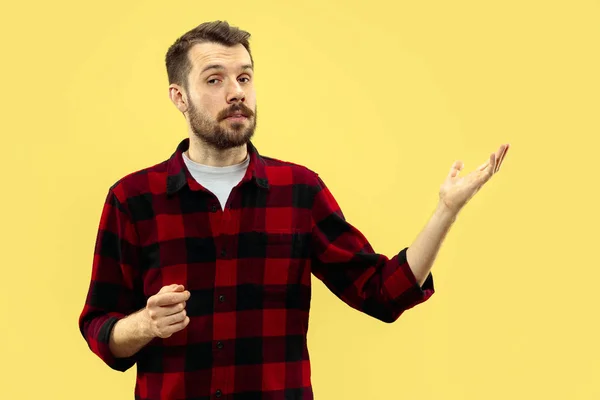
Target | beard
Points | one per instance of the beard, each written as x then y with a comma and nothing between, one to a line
219,133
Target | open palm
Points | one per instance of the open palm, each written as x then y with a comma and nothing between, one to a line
457,190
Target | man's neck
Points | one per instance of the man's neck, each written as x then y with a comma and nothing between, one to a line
204,154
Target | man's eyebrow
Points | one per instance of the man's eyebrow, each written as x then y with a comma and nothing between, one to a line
220,67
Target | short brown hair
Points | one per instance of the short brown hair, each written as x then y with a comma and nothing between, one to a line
178,63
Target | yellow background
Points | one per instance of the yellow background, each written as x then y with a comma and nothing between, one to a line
380,98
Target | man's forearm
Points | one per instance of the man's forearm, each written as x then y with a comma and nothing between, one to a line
129,335
423,251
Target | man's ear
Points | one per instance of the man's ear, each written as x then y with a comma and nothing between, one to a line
178,97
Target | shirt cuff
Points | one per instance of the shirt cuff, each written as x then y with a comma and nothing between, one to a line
103,350
404,289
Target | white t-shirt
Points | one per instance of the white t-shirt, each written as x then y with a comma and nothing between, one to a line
219,180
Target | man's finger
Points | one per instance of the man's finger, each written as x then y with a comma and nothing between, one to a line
170,310
171,329
504,151
173,319
483,166
169,299
457,166
171,288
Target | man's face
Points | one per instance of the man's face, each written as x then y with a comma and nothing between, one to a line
221,83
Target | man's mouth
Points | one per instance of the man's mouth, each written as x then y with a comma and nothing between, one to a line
236,116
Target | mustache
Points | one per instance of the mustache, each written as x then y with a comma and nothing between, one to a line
236,108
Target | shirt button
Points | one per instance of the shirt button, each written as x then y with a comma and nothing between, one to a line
223,253
214,208
218,393
219,345
222,298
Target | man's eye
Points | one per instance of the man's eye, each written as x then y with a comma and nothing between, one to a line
247,79
212,80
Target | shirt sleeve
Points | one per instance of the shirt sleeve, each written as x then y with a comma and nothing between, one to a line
345,262
112,290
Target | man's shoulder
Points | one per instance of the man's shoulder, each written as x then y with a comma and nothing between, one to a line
145,181
278,169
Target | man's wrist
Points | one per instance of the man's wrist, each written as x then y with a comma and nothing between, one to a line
445,213
143,324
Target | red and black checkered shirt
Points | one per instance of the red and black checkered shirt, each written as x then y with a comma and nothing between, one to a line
248,269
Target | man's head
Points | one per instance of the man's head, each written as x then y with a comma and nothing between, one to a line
211,77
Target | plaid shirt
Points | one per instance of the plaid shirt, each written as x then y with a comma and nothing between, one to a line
248,269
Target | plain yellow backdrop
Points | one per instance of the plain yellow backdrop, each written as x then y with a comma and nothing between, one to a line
378,97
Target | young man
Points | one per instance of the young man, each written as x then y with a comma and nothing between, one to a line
202,265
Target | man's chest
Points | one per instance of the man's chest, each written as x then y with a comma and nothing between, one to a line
257,249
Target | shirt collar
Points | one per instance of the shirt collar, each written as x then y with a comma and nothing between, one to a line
178,175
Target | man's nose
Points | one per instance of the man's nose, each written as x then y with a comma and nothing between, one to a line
236,94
